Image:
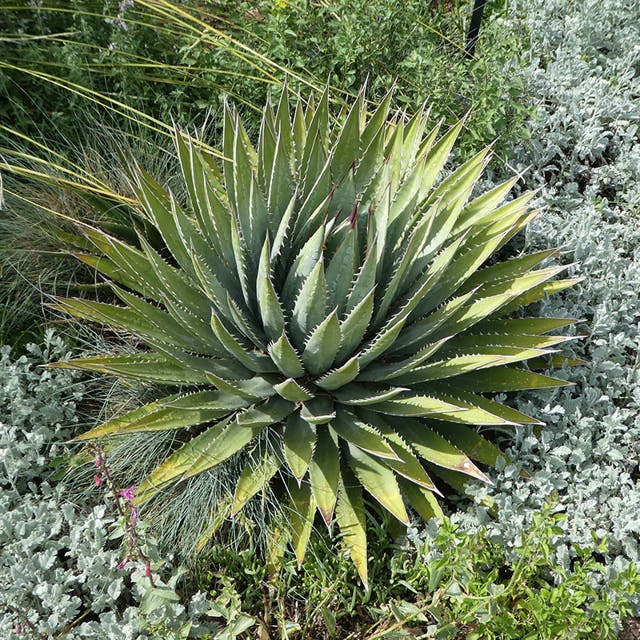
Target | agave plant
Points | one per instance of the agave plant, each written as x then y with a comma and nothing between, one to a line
331,288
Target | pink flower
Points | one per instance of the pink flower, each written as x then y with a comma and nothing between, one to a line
98,480
99,461
128,493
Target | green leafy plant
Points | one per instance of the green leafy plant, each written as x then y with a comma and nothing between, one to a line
321,302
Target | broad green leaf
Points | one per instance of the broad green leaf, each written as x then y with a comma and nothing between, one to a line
470,442
298,443
361,395
285,357
354,326
341,376
379,481
422,500
292,391
322,346
318,410
417,406
268,301
253,479
350,515
310,308
505,379
253,361
324,472
350,428
303,507
173,412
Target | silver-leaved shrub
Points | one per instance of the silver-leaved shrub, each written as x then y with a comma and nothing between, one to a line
584,78
58,567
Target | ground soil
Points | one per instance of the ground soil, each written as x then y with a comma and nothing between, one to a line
630,629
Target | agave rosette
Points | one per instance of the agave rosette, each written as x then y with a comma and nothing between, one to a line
328,285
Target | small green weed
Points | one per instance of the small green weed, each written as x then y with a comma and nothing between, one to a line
451,586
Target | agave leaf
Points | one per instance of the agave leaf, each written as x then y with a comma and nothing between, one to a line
418,406
531,326
322,346
354,326
474,409
292,391
538,293
324,472
452,193
310,308
304,264
202,183
384,371
303,507
433,448
149,367
379,481
457,365
485,278
350,428
285,357
299,138
421,499
253,479
298,444
114,273
437,157
215,445
484,204
501,343
128,260
418,334
318,410
281,181
162,211
365,282
173,412
283,229
254,388
341,376
130,320
470,442
345,150
360,395
253,361
479,403
176,287
556,361
342,269
268,301
350,516
404,463
505,379
244,322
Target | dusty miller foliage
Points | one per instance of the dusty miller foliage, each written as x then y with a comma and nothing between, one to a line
56,560
584,78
